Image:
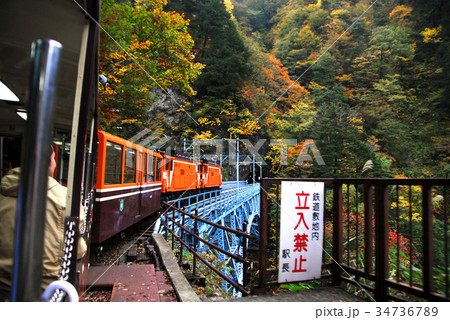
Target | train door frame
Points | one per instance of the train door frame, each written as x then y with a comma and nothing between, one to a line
140,173
83,133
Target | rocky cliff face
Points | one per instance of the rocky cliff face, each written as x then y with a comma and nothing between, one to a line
165,108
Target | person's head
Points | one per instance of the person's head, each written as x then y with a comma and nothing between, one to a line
15,151
52,167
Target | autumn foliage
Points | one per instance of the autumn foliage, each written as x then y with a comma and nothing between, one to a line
144,49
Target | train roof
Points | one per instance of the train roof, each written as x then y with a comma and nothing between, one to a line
125,142
21,23
179,155
213,165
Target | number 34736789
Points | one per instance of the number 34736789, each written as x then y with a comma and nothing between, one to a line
407,311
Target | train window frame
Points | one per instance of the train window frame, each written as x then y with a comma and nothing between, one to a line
117,172
158,168
150,168
140,166
144,180
129,172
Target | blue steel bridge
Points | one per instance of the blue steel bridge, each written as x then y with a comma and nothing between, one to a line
235,206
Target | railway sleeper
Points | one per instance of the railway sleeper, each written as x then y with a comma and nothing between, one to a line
132,253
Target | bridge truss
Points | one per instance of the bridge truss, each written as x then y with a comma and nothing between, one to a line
232,206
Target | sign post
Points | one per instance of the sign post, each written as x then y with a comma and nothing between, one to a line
301,231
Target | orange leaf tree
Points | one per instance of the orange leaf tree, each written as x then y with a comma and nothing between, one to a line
143,50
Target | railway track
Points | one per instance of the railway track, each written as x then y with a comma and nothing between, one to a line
127,267
125,247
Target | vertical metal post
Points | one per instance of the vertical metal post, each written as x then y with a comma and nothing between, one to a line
253,167
182,236
446,236
173,229
165,220
381,241
32,199
338,233
397,222
263,238
410,236
357,225
368,228
428,257
348,224
244,255
194,264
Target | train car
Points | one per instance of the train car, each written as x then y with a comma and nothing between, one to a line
131,181
179,175
127,188
211,176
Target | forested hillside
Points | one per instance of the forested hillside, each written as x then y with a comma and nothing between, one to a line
366,81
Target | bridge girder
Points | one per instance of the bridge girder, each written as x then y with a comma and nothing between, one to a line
231,206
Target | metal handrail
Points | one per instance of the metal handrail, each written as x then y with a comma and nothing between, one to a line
374,195
243,234
32,199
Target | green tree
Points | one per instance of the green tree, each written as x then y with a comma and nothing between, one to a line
219,46
256,17
390,49
338,133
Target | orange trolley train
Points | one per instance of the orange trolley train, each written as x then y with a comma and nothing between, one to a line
131,180
127,188
179,174
211,175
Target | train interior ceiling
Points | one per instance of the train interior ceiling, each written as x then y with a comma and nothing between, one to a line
22,22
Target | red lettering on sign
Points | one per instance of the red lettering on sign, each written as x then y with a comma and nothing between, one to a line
300,242
298,265
299,195
302,219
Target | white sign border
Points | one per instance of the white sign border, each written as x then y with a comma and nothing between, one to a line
289,219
